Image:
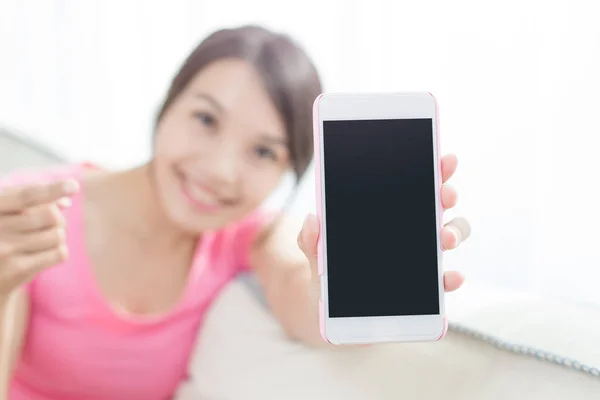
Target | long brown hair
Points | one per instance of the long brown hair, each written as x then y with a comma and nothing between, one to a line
287,72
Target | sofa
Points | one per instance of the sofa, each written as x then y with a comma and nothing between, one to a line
500,345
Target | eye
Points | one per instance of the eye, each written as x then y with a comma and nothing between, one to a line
265,153
206,119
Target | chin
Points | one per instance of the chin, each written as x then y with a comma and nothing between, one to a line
196,208
193,219
196,220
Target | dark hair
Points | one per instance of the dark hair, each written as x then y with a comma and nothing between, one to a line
287,72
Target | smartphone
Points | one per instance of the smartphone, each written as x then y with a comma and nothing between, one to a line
378,182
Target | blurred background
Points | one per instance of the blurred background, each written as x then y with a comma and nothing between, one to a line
517,84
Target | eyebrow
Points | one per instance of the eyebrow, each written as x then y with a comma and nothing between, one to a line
274,140
216,104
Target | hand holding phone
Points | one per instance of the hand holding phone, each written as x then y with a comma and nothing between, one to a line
379,205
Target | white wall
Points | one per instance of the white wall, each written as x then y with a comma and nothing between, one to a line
516,81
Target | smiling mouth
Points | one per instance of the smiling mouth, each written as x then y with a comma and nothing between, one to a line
200,198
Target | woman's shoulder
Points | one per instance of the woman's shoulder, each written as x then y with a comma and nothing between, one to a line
239,237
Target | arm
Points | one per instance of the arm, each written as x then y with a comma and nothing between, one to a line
287,270
289,280
14,312
287,267
29,216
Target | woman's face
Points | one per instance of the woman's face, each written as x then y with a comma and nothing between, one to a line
221,148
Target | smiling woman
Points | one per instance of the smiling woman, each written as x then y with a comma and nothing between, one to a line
276,66
140,254
517,85
225,150
225,137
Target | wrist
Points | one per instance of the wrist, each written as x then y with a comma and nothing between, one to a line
5,299
300,282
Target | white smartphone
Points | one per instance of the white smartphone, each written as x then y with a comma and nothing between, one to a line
378,182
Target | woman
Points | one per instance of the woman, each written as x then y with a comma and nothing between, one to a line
105,276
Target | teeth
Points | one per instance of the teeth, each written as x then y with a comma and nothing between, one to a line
201,196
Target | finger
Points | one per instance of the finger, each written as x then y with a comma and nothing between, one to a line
19,199
453,280
28,265
449,197
454,233
450,239
462,226
449,163
308,240
32,220
65,202
41,241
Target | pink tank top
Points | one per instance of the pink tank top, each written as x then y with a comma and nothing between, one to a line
77,347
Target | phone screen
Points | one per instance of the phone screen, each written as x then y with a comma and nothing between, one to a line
380,218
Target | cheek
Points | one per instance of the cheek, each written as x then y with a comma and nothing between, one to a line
170,145
174,138
170,148
259,186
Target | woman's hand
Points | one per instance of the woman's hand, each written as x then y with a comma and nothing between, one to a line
32,235
289,276
453,233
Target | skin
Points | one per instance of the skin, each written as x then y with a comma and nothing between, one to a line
293,290
220,150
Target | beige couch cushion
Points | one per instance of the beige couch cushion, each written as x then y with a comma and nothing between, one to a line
242,354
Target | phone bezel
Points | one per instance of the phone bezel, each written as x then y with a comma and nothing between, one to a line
366,106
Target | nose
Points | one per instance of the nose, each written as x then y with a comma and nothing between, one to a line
224,167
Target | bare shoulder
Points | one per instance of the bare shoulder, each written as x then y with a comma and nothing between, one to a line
94,182
95,186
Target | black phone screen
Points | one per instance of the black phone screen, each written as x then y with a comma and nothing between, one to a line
380,212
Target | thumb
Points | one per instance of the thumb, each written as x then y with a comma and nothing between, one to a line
308,240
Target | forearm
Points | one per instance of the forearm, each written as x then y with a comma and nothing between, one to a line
291,288
12,323
294,300
5,346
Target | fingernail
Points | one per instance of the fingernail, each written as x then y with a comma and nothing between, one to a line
456,234
70,187
456,239
462,226
310,227
313,223
65,202
305,228
62,234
